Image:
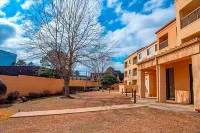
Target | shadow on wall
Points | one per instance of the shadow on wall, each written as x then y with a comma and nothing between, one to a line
3,88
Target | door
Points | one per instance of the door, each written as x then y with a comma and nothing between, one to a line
170,86
191,85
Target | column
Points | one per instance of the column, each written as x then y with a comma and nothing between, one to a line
141,83
196,80
161,74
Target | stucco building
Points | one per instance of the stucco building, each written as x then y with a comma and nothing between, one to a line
169,68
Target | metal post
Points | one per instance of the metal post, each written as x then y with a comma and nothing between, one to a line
132,93
134,96
126,92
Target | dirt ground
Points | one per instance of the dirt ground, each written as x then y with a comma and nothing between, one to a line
137,120
81,100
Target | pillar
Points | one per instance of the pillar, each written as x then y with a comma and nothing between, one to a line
161,82
141,84
196,80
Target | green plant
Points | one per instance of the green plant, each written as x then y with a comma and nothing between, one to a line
46,93
33,95
108,79
3,89
13,96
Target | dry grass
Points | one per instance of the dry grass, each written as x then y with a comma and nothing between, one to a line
137,120
82,100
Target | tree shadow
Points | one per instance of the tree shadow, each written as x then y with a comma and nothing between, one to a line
5,106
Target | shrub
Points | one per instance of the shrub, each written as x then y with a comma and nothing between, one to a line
33,95
3,89
13,96
46,93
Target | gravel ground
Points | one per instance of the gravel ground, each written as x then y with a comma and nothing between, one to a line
137,120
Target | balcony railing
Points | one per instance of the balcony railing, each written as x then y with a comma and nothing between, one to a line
135,73
163,44
134,62
126,66
190,18
125,75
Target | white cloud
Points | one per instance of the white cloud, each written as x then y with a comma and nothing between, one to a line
153,4
3,3
111,3
132,3
118,8
27,4
2,13
118,66
139,29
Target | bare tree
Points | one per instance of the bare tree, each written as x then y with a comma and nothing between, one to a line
99,64
69,28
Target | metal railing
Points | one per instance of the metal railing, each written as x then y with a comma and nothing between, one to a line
134,62
190,18
135,73
163,44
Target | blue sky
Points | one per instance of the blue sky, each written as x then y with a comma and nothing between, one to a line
132,23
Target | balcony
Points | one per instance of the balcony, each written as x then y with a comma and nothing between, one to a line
135,73
190,18
163,44
134,61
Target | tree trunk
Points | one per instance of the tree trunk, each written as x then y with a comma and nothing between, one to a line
66,83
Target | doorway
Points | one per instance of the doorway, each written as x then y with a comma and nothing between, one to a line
170,85
191,85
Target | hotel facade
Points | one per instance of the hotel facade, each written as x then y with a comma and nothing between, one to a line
169,68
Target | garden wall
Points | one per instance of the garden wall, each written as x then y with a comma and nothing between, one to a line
27,84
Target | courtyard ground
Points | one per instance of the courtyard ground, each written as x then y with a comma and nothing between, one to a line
137,120
81,100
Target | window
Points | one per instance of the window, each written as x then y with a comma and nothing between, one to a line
156,47
140,56
129,71
163,44
149,51
129,61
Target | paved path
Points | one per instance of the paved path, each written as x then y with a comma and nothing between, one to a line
184,108
72,111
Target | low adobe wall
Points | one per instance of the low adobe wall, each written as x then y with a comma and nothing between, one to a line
129,88
27,84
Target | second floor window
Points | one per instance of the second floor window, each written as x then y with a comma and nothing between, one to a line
163,44
156,47
149,51
129,61
129,71
140,56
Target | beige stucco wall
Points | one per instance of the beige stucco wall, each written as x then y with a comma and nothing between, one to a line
196,79
190,29
130,77
27,84
172,37
182,80
144,52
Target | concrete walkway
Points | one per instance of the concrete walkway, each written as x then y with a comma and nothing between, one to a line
184,108
72,111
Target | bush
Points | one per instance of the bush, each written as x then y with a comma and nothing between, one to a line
13,96
3,89
46,93
33,95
